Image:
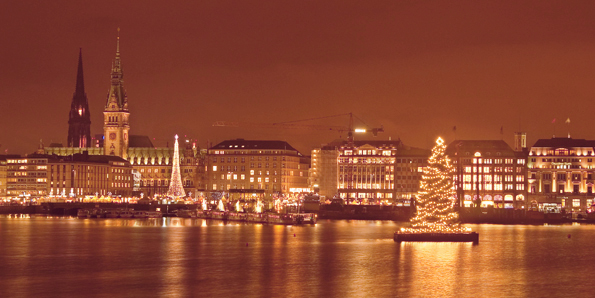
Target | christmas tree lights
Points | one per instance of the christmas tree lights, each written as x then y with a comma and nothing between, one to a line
435,204
176,189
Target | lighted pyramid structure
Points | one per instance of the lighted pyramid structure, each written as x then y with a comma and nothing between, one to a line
176,189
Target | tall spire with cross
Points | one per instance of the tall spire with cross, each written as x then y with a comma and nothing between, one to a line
176,188
79,119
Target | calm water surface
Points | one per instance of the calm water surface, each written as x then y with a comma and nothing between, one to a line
68,257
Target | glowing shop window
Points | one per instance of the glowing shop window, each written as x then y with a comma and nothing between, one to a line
214,169
243,177
576,202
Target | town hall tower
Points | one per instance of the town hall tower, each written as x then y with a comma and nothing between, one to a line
115,116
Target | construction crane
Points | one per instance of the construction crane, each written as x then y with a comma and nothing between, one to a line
292,125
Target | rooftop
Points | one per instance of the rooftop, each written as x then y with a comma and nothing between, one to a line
564,143
242,144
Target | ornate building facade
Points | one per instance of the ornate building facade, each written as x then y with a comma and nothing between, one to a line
79,118
561,173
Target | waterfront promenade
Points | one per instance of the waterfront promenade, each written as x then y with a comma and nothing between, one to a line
349,212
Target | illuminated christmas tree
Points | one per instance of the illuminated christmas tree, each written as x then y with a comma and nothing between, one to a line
435,203
176,189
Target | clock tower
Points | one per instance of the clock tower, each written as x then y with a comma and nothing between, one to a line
115,115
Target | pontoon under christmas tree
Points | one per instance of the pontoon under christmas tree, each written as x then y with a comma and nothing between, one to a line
435,219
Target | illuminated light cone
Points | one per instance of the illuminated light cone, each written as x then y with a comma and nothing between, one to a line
176,189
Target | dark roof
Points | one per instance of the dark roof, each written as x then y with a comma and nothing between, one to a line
413,151
56,145
136,141
253,144
375,143
564,143
7,156
82,157
484,146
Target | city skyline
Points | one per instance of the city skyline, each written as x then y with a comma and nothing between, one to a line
417,69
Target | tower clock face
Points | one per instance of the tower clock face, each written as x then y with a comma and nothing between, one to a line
112,136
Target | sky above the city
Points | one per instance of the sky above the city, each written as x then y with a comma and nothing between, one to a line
418,68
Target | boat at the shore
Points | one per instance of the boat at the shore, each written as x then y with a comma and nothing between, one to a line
117,213
187,213
147,214
270,218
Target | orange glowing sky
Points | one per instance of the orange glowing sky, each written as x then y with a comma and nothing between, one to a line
417,67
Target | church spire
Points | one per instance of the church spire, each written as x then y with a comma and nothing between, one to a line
79,119
80,82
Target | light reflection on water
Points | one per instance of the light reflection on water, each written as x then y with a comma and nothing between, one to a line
177,257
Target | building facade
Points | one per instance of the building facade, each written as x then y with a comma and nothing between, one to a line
40,175
409,165
489,174
366,171
560,173
270,166
27,176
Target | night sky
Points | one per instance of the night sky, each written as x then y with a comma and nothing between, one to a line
417,67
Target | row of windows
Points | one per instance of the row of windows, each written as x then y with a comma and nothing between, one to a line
488,170
252,186
562,151
369,152
562,176
497,161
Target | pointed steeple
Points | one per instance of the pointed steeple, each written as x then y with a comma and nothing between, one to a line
117,66
79,120
80,81
117,94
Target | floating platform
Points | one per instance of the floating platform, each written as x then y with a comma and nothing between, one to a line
437,237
